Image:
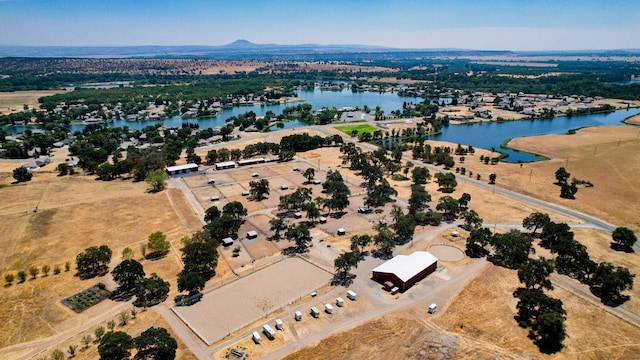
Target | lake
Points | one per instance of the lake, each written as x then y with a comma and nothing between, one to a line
480,135
492,134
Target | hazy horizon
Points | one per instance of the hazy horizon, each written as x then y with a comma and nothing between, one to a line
541,25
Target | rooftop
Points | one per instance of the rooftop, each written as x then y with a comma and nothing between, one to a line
407,266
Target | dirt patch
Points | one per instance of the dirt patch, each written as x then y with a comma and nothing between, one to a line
634,120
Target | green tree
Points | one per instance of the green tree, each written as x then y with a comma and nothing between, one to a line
157,180
22,276
115,346
151,291
21,174
277,225
359,243
492,178
573,260
157,245
99,333
404,226
544,316
446,182
191,282
93,261
562,176
568,191
33,271
471,220
71,350
127,274
385,241
299,234
200,258
344,262
259,190
155,344
63,169
236,210
464,200
553,234
534,274
57,354
608,282
535,221
309,174
127,253
512,249
418,199
380,194
623,238
476,242
449,208
9,278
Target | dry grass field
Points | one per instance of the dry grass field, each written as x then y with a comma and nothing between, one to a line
72,214
606,156
14,101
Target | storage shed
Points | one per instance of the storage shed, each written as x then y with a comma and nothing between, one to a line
297,315
279,324
227,241
339,302
342,231
351,295
225,165
406,270
182,169
252,234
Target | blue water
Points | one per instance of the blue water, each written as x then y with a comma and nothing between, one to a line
492,134
346,98
480,135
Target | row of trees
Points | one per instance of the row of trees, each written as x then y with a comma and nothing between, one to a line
33,272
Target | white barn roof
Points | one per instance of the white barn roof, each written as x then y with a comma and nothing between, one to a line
407,266
182,167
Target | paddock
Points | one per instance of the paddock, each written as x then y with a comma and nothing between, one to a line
237,304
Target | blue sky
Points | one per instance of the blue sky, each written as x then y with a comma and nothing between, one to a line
468,24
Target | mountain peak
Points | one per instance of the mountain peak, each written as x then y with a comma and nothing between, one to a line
241,43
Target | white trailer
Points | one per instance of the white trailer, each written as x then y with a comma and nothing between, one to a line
351,295
211,181
256,337
315,312
279,324
328,308
268,331
297,315
339,302
432,308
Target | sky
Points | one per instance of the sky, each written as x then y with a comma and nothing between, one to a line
464,24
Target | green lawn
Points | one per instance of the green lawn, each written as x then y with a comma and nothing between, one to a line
362,128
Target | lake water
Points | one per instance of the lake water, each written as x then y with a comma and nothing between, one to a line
480,135
492,134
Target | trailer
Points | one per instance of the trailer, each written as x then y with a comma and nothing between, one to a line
211,181
432,308
351,295
297,315
227,241
339,302
279,325
342,231
328,308
215,198
252,234
315,312
268,331
256,337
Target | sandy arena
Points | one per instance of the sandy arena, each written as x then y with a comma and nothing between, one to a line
233,306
